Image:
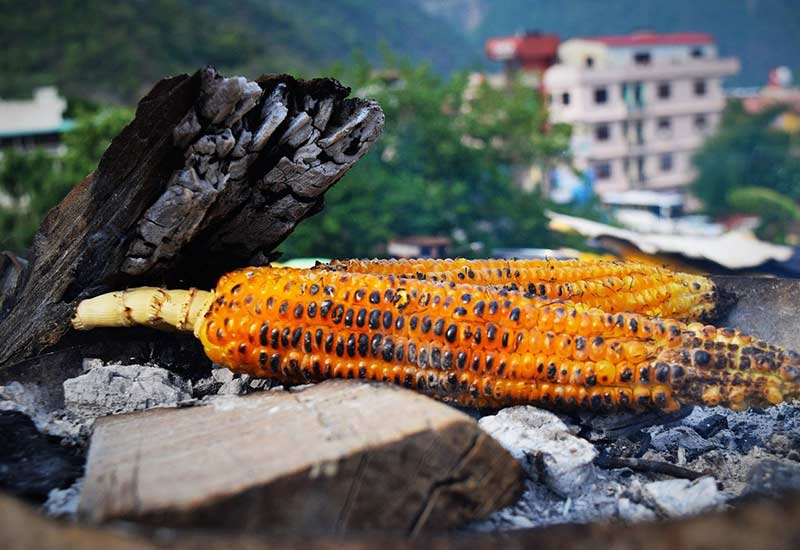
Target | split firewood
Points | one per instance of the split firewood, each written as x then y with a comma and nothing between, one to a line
331,458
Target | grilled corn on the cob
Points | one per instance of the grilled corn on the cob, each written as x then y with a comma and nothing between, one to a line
469,344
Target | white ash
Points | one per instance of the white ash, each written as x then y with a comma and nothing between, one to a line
544,445
114,389
681,497
224,381
63,503
742,453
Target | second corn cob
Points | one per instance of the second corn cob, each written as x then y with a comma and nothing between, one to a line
609,285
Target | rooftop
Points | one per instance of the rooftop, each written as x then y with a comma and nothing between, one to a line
647,38
522,46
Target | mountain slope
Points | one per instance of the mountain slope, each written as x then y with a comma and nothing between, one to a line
115,50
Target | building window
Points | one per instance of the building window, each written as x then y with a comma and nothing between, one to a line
664,125
600,95
565,98
665,161
641,58
697,52
590,61
700,122
602,170
602,132
699,87
664,90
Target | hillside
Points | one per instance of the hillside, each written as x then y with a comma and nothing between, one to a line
113,51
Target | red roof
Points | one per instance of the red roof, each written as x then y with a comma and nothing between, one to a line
522,47
653,39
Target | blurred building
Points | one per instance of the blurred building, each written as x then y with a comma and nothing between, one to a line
421,246
531,52
640,105
36,122
778,93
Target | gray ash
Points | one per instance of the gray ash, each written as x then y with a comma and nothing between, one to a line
659,466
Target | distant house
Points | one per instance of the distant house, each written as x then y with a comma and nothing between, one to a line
779,92
36,122
640,105
419,247
531,52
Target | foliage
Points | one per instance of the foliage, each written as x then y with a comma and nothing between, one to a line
33,182
442,167
746,151
116,50
776,212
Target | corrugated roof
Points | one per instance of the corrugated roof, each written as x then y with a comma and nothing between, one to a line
731,250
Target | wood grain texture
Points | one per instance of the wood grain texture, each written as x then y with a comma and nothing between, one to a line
211,174
333,458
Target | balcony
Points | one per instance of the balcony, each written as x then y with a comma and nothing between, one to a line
700,68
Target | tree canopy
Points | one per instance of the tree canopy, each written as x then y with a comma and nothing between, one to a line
746,151
443,167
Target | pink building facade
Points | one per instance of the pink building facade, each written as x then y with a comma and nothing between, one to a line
640,105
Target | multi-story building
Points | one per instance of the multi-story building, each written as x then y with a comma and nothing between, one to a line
640,105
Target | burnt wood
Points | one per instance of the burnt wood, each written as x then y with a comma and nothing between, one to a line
212,174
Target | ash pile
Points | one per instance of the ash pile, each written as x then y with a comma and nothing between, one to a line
589,468
579,468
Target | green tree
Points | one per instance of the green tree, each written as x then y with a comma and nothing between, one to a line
443,167
33,182
775,211
746,151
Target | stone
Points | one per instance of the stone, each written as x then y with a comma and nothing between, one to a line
681,497
330,458
545,446
114,389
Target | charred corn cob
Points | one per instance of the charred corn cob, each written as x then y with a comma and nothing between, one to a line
466,344
611,286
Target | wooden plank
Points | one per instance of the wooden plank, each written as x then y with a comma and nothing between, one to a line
332,458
